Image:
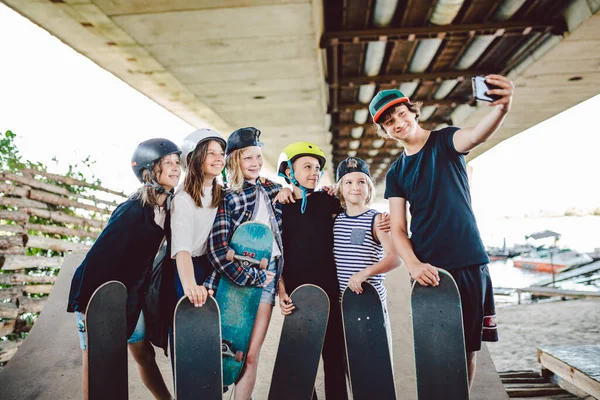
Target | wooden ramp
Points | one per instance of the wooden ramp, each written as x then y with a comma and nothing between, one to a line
553,292
48,363
563,276
534,386
578,365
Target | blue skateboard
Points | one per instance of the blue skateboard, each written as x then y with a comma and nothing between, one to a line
251,244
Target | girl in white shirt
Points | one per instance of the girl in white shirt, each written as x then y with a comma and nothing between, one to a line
193,211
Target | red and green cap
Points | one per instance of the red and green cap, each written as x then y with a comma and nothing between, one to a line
384,100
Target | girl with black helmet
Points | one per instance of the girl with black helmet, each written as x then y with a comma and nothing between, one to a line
250,198
125,251
363,250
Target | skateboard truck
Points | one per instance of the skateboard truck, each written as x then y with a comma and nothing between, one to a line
227,351
263,263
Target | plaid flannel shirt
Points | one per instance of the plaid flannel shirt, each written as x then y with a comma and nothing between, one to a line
236,209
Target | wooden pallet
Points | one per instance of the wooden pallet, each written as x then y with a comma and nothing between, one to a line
533,385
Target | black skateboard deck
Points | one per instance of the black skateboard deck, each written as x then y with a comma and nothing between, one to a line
300,345
198,363
367,349
106,330
440,355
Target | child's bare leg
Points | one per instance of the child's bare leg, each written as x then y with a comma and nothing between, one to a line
471,364
245,386
84,378
144,356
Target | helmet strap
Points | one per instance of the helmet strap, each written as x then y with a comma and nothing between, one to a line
304,190
156,186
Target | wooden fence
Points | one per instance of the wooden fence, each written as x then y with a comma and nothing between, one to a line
40,215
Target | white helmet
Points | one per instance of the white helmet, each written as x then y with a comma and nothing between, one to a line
194,139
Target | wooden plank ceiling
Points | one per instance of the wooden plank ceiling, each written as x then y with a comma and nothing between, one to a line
350,29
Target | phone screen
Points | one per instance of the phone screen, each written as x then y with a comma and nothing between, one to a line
480,87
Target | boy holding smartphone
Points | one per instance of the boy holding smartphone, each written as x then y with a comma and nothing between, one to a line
431,175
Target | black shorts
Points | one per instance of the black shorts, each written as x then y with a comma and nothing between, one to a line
477,298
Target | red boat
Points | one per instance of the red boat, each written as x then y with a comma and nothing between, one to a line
552,259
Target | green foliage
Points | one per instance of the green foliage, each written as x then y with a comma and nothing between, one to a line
12,161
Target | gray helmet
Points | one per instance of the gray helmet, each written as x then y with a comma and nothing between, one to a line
150,151
194,139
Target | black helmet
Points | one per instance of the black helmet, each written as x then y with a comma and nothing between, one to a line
243,137
150,151
352,164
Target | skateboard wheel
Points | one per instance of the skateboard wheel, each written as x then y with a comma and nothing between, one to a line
264,263
230,255
239,356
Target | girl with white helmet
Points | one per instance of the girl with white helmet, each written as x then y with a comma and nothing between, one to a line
194,210
125,250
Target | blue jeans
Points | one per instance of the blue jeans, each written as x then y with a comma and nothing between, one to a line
268,294
137,336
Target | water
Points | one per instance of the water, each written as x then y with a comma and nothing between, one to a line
578,233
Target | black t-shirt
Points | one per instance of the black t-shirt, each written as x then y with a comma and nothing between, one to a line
434,181
308,243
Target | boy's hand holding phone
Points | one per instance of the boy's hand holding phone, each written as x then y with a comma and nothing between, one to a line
495,89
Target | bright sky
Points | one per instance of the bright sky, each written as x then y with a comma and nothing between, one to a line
61,104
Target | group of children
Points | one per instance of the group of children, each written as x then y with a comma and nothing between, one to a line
333,241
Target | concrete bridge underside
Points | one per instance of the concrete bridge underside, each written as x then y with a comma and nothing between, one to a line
237,63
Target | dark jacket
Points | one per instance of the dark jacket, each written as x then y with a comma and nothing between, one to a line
124,252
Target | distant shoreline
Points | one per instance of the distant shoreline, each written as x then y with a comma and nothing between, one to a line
575,212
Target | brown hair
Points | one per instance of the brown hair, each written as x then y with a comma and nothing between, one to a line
413,107
194,179
340,195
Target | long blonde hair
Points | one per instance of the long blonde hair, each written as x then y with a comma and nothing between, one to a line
235,176
194,179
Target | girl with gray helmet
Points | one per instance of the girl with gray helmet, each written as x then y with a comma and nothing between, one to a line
125,250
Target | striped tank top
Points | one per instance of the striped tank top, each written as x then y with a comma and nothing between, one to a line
355,248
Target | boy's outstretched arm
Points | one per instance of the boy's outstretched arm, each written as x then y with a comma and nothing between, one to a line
425,274
467,139
390,259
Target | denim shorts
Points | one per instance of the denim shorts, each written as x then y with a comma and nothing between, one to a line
268,294
137,336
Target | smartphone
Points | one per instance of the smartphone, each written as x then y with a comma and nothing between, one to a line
480,87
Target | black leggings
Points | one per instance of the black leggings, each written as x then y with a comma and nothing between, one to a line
334,354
